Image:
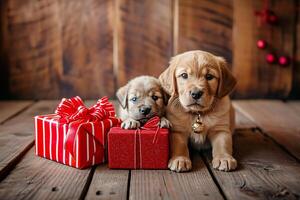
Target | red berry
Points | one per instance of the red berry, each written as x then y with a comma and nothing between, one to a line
271,58
272,19
261,44
283,60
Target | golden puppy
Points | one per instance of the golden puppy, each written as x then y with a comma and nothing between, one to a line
141,99
199,108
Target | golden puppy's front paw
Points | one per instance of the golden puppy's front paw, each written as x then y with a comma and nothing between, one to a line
164,123
130,124
180,164
224,163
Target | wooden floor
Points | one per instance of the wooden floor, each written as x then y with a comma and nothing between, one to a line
266,145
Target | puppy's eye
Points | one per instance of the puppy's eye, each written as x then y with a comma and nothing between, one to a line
133,99
184,75
154,97
209,77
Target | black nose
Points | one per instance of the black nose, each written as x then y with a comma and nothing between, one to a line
196,94
145,110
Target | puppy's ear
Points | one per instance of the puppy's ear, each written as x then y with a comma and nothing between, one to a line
165,98
122,94
168,79
227,81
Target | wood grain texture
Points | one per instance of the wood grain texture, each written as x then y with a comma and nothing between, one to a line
257,78
144,38
33,47
10,108
242,121
205,25
164,184
17,135
295,105
4,81
108,184
87,37
295,93
264,171
58,48
276,119
38,178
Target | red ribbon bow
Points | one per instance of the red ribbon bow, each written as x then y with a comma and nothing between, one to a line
152,124
74,109
77,115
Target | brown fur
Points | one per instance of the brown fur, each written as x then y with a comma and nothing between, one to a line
214,106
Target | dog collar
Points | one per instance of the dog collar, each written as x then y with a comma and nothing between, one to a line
198,125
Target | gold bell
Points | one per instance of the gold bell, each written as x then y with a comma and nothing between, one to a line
198,126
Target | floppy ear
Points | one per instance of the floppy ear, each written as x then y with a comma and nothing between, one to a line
227,81
122,94
167,78
165,97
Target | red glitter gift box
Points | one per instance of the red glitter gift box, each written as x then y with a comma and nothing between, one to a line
143,148
75,135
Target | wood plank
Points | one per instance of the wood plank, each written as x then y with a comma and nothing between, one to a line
295,105
10,108
242,121
17,135
38,178
257,78
87,38
4,75
205,25
276,119
52,52
108,184
295,92
144,38
264,171
32,56
164,184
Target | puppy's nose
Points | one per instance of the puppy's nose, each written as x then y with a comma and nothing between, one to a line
145,110
196,94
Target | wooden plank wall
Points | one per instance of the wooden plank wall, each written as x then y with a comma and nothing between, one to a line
260,79
205,25
144,37
58,48
52,49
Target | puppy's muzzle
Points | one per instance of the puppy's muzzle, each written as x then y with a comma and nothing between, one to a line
196,93
145,110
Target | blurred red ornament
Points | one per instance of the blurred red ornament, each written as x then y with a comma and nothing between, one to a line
261,44
283,60
267,16
272,19
271,58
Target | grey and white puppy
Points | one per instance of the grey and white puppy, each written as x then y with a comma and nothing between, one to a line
140,99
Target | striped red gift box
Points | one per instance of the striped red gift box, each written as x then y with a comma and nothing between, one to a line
75,135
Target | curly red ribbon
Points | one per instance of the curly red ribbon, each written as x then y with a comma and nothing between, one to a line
77,115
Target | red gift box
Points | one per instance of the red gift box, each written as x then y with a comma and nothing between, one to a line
75,135
143,148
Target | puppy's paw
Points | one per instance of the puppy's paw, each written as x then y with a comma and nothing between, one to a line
224,163
164,123
130,124
180,164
